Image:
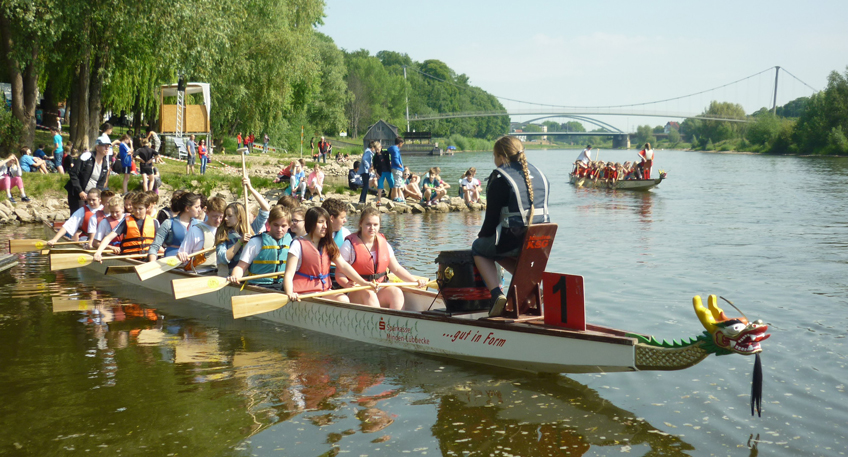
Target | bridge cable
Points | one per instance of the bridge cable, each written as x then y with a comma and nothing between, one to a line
799,80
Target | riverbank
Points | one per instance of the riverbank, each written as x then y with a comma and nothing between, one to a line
223,178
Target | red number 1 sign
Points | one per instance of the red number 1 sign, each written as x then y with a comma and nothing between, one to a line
564,304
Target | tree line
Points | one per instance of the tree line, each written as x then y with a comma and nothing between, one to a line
807,125
269,69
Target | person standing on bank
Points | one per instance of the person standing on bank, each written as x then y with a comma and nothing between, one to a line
517,196
89,171
192,154
324,148
396,194
365,168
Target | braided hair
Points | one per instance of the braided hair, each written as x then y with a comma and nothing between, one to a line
510,148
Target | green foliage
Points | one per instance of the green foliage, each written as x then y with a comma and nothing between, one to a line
764,130
821,127
837,143
673,137
795,108
10,131
644,134
470,144
709,146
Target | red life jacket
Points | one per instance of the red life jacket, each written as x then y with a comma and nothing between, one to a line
87,217
369,268
314,272
136,242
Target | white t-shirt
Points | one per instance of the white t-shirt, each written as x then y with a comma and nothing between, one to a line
95,175
193,242
103,228
585,156
469,184
649,154
73,223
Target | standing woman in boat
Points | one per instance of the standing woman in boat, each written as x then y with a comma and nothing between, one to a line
516,190
308,263
89,171
368,252
647,157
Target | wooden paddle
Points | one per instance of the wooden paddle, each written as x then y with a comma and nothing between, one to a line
16,246
61,305
65,261
190,287
244,174
68,251
148,270
249,305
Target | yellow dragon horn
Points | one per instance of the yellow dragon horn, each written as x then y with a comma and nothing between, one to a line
704,315
718,313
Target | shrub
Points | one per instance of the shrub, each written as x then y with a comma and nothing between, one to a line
10,131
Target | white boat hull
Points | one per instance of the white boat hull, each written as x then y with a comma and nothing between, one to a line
510,345
634,184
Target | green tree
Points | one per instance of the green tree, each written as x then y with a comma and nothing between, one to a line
722,130
673,137
825,111
644,134
764,130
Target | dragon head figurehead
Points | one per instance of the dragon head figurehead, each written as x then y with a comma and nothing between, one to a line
736,335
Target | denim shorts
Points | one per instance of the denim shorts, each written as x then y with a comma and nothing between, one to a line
57,158
390,180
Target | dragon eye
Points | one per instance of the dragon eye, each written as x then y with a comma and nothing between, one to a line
737,327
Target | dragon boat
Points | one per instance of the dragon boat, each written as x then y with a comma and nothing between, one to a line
441,324
630,184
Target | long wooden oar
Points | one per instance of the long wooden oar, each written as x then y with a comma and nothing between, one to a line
68,251
148,270
65,261
249,305
204,284
16,246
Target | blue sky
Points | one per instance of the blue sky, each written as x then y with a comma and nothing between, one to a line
613,52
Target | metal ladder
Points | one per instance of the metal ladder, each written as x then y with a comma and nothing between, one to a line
178,131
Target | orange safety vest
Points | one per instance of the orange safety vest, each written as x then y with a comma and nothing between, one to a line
369,268
314,272
136,242
87,217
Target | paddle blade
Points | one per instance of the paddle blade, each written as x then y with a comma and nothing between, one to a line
249,305
16,246
66,261
61,305
190,287
120,269
148,270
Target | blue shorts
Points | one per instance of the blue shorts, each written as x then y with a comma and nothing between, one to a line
57,158
386,176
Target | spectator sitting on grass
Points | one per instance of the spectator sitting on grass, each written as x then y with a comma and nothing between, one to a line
32,164
12,176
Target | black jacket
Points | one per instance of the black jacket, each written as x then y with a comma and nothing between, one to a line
80,173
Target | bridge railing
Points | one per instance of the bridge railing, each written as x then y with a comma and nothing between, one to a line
566,112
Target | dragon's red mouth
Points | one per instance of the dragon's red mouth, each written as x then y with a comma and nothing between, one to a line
749,342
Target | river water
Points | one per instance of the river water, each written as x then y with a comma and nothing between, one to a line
143,375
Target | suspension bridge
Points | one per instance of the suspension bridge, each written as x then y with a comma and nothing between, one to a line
651,109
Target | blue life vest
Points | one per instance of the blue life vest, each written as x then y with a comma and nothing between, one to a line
175,237
271,258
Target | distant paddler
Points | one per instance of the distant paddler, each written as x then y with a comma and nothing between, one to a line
646,155
517,196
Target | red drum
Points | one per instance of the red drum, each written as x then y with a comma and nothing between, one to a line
460,283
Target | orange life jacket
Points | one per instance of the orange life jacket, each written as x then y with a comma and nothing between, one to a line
369,268
136,242
314,272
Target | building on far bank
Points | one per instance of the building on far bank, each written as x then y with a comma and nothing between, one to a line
381,131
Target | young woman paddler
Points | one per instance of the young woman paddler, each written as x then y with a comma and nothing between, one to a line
308,263
235,231
266,252
373,258
172,232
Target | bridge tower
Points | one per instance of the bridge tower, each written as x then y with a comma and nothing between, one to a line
621,141
774,105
